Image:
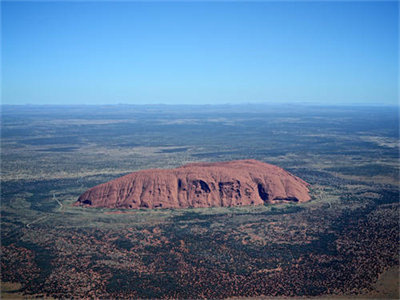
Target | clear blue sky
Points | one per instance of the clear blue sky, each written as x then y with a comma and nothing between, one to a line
198,53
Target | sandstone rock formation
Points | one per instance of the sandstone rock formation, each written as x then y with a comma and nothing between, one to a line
232,183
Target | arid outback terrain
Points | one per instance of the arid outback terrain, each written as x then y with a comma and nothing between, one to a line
342,243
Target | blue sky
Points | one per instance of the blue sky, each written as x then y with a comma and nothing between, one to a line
199,52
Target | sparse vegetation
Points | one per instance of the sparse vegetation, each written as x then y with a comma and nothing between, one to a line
337,244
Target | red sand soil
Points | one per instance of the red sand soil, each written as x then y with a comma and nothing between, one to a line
232,183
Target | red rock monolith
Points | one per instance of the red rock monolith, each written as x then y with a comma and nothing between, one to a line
231,183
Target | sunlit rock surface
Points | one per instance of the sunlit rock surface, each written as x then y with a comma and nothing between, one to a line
232,183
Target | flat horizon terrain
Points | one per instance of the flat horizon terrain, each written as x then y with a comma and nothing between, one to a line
343,243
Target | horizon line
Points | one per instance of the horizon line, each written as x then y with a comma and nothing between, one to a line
212,104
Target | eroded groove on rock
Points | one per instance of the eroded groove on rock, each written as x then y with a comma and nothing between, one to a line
262,193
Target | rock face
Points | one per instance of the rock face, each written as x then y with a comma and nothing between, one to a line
232,183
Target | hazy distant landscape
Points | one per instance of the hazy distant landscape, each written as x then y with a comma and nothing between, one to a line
343,242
